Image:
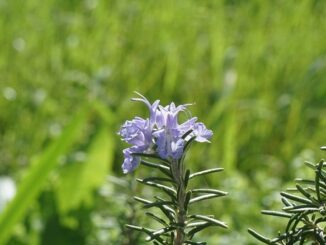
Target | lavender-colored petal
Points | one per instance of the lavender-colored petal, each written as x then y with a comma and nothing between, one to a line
152,107
159,119
202,133
162,143
169,144
173,109
136,132
153,111
187,126
167,116
177,148
161,116
130,162
171,121
131,131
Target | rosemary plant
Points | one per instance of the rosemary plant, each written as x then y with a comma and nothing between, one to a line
305,211
161,143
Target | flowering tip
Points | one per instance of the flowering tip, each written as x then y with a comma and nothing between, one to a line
160,133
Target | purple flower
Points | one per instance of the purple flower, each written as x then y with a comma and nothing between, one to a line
202,133
137,132
168,115
161,133
187,126
169,144
177,148
131,161
169,134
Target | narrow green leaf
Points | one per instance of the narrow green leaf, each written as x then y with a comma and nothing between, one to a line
142,200
208,171
296,198
195,243
164,169
155,217
168,212
153,179
259,237
168,190
188,144
275,213
209,219
307,194
319,220
198,228
149,232
305,181
320,171
153,156
187,199
157,204
286,202
154,165
195,224
212,191
317,186
134,227
299,219
310,165
185,149
186,180
300,208
290,222
204,197
157,234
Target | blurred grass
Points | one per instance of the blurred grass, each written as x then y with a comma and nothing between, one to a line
38,173
255,69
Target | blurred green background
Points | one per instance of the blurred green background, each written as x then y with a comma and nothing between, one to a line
255,69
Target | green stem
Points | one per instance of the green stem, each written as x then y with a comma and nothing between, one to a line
178,173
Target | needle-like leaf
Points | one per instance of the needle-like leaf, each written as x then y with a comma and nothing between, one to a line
208,171
204,197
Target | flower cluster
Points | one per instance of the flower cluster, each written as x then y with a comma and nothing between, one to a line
160,134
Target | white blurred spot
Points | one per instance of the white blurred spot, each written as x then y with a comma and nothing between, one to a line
229,81
230,78
55,129
284,100
9,93
7,191
72,41
19,44
90,4
80,156
39,96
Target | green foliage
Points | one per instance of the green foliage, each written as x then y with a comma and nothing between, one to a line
78,180
177,223
37,175
256,68
306,212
